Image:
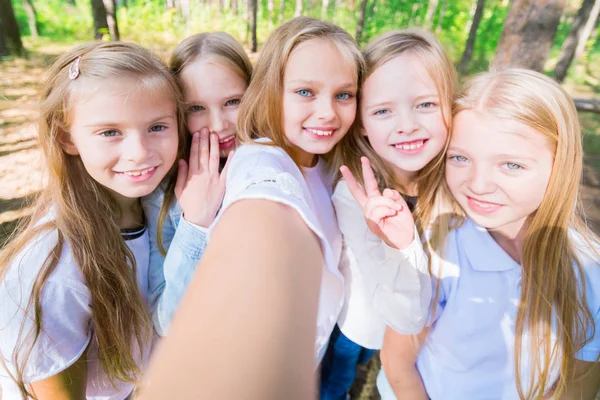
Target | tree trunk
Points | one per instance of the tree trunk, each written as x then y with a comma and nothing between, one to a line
360,25
440,20
185,12
431,9
234,7
170,4
298,11
281,10
466,57
252,20
10,38
324,9
580,32
111,19
99,14
528,33
221,6
31,18
270,7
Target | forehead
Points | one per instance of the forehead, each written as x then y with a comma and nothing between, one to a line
405,75
205,78
322,61
482,133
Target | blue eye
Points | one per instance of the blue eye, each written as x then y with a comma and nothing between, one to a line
158,128
460,159
381,112
513,166
109,133
304,92
195,108
427,105
232,102
344,96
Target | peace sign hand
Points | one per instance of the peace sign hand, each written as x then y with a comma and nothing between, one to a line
200,187
387,214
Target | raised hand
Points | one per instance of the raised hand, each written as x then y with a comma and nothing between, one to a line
200,187
387,214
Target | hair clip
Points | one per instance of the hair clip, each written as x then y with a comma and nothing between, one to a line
74,69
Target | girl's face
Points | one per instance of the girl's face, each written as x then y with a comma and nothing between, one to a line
212,92
319,99
497,170
402,116
126,136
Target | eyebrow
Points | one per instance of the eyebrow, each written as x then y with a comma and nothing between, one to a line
114,124
504,155
386,103
228,97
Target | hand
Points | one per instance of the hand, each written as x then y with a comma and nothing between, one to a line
200,187
387,215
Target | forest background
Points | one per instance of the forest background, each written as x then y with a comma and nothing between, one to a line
557,37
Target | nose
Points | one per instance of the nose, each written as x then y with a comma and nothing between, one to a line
137,147
325,109
406,122
218,123
481,180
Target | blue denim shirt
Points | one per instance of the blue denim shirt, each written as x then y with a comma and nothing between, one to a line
170,275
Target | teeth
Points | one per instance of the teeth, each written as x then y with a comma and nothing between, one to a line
138,173
410,146
483,205
320,132
229,139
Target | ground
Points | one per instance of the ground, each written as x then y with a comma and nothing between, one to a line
20,159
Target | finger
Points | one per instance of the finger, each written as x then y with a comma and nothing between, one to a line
378,214
357,192
182,173
223,177
381,201
395,196
194,152
213,166
203,162
371,185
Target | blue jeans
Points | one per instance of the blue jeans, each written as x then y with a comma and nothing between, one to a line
338,369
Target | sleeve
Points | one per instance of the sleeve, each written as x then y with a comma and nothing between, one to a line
264,172
66,327
590,352
184,253
398,281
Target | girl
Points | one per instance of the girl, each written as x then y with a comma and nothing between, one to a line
405,111
74,282
263,296
518,295
213,72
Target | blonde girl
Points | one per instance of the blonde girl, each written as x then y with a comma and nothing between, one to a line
405,110
261,297
517,304
74,281
213,72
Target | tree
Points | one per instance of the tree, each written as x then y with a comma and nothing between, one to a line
31,18
573,46
528,33
10,38
298,11
99,14
466,57
360,25
431,9
252,4
111,18
234,7
324,8
281,10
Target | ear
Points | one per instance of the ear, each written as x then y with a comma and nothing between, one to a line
64,138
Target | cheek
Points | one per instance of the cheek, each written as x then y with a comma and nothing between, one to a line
435,126
195,122
455,177
232,116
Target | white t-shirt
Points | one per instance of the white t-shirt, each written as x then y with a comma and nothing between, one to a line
469,353
67,317
383,286
266,172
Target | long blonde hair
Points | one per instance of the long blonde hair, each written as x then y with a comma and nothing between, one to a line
220,47
84,215
379,51
550,284
261,111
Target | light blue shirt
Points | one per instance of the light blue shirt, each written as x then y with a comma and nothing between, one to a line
169,276
469,353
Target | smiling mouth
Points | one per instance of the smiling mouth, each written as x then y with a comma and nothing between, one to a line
414,145
139,172
321,132
227,139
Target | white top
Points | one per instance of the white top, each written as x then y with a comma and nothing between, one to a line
383,285
469,353
267,172
66,326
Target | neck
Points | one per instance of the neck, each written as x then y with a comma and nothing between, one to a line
407,181
510,238
132,215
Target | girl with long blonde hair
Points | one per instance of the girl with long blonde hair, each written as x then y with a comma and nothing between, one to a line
405,114
517,304
74,281
213,72
270,275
